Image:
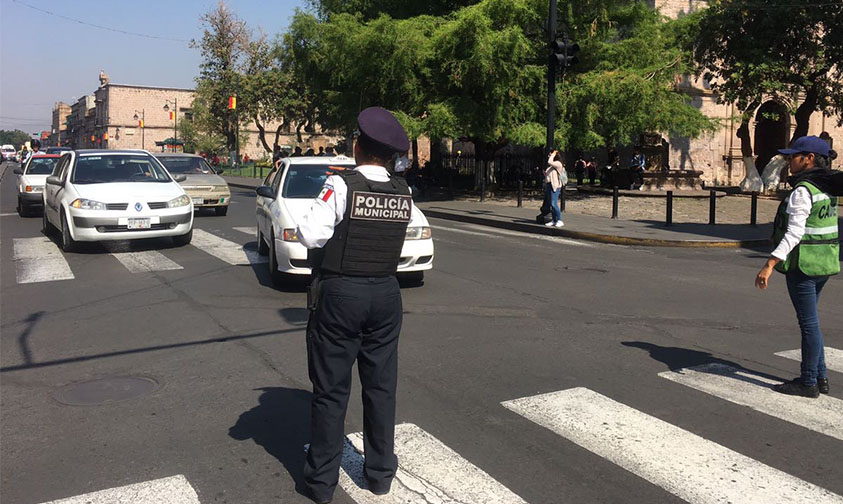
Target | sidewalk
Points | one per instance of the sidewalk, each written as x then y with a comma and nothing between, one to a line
587,227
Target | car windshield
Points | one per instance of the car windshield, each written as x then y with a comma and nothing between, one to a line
186,165
41,166
305,181
118,168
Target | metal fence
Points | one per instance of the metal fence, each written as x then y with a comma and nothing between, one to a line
503,171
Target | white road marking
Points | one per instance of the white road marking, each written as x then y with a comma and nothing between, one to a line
39,260
149,260
823,415
8,214
223,249
491,233
253,231
833,357
428,472
172,490
691,467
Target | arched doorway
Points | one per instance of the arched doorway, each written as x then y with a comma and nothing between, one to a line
772,128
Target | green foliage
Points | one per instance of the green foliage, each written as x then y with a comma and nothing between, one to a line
398,9
14,137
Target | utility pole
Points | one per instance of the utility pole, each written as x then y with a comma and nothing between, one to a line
551,79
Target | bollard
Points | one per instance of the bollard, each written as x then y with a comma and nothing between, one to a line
669,217
520,191
753,212
712,202
254,171
450,183
615,203
562,199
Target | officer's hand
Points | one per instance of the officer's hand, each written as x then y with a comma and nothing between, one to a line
762,280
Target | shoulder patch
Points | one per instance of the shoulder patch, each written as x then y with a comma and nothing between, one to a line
381,207
327,192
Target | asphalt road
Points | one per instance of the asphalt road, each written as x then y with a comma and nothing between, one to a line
502,316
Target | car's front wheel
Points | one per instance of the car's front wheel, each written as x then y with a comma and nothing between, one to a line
182,240
68,244
263,248
221,210
21,208
276,276
46,227
411,279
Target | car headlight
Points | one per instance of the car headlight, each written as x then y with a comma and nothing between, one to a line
220,188
86,204
290,235
181,201
418,233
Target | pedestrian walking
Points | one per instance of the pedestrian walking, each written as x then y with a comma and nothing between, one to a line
807,251
554,183
636,168
579,169
591,167
354,232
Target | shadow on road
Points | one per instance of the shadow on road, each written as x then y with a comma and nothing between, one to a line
280,423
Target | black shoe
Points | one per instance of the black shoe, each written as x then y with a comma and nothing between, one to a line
317,499
822,384
797,388
379,488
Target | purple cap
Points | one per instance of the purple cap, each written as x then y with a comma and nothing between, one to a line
381,127
807,144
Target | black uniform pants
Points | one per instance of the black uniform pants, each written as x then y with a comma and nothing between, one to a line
356,319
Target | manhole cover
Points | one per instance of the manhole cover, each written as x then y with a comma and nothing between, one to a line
105,390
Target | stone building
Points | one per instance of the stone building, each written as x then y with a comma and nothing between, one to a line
107,120
59,130
718,156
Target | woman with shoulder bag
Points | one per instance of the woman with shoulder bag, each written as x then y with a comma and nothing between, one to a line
555,179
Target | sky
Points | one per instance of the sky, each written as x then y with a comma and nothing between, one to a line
46,58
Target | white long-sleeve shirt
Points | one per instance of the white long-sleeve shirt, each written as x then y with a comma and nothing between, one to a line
328,209
799,206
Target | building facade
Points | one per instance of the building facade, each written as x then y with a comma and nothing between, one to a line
59,129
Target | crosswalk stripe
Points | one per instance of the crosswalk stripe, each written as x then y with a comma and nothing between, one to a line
172,490
223,249
251,231
148,260
691,467
428,472
39,260
833,357
823,415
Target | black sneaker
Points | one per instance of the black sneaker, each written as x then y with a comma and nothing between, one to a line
822,384
797,388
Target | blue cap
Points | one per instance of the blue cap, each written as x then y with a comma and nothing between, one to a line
807,144
382,128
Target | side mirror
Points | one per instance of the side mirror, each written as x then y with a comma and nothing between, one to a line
180,178
265,191
219,170
18,171
54,180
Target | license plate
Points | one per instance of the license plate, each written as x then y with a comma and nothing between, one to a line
138,224
198,201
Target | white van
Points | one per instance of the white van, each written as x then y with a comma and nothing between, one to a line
9,153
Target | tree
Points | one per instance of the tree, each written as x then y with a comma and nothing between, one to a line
14,137
753,49
223,45
397,9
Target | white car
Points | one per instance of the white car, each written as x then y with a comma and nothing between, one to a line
9,153
99,195
31,180
287,196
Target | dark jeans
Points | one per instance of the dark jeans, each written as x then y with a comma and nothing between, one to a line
805,294
357,319
554,201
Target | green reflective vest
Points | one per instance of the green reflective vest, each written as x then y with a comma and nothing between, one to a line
818,253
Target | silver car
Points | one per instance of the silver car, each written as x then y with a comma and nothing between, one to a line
204,186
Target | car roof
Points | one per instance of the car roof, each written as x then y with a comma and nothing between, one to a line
89,152
176,154
325,160
36,156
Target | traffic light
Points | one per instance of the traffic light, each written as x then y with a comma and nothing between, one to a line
565,51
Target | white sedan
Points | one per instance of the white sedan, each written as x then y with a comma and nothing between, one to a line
287,196
31,180
98,195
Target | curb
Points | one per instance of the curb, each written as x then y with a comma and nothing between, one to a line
594,237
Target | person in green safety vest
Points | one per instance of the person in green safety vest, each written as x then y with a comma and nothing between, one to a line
807,251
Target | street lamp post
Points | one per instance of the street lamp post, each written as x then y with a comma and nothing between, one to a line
142,126
175,103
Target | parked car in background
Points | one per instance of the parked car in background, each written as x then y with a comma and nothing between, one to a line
99,195
31,180
204,186
57,150
287,195
9,153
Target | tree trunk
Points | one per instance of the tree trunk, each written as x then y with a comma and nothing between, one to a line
277,135
803,113
262,134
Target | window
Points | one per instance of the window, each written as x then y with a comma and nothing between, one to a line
109,168
41,166
305,181
186,165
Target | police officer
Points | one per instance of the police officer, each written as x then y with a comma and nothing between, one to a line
35,149
354,232
807,252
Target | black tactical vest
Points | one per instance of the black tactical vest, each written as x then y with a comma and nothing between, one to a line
368,240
